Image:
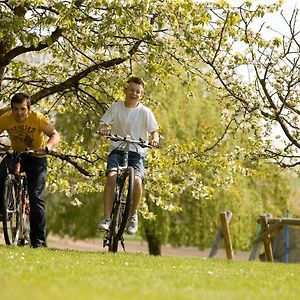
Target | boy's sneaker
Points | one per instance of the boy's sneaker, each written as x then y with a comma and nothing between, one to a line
132,224
103,225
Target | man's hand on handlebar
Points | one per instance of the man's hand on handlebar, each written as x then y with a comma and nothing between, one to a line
41,151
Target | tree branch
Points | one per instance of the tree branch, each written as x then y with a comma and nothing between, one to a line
68,158
10,55
74,80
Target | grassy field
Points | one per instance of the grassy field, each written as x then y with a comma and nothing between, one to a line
63,274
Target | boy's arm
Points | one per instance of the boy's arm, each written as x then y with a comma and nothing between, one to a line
154,138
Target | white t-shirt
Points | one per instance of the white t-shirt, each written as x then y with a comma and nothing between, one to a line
136,122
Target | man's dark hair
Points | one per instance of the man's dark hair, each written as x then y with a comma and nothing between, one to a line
19,98
136,80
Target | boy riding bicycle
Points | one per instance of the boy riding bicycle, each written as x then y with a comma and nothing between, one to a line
128,117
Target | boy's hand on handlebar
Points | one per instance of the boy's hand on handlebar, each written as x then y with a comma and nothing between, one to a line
154,143
104,130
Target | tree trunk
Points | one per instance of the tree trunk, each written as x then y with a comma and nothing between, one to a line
154,243
153,229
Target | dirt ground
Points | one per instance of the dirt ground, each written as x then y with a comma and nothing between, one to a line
136,247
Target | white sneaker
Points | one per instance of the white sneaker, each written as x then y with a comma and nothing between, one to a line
132,224
103,225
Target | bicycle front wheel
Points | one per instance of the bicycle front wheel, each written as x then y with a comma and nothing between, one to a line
10,209
24,237
121,208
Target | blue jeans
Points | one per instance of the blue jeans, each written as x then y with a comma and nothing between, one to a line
36,170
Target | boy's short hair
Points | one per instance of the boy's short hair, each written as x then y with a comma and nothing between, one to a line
20,98
136,80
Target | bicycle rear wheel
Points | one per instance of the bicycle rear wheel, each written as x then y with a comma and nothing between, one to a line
10,209
121,208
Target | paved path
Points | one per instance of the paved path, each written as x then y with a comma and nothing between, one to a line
95,245
136,247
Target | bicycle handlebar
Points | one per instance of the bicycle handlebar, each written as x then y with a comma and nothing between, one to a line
129,140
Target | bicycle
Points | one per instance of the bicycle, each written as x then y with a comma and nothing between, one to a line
123,195
15,202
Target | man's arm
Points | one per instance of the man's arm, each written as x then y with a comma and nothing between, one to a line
53,135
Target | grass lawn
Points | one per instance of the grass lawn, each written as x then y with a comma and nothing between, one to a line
27,273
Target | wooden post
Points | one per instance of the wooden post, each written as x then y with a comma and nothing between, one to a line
216,244
267,240
219,237
254,251
226,235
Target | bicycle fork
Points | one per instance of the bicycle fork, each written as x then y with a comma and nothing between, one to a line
25,199
108,235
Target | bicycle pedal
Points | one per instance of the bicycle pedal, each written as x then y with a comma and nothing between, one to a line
105,242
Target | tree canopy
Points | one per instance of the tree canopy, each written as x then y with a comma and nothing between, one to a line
75,55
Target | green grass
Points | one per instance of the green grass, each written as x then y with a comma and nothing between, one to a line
63,274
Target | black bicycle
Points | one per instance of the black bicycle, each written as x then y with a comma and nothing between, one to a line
15,202
123,195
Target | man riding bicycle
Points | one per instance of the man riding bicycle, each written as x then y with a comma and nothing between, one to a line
132,118
26,130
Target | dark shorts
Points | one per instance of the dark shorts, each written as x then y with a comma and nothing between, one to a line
135,160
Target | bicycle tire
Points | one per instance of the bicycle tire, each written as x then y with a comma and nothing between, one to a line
121,208
11,212
24,238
